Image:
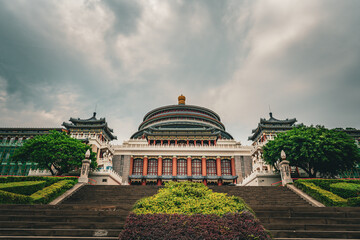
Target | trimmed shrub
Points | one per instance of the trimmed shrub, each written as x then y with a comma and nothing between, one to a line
49,193
189,198
25,188
354,202
325,183
198,226
11,198
326,197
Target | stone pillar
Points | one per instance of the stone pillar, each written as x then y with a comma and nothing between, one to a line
233,167
189,166
131,165
187,142
202,142
85,168
174,166
161,142
203,168
159,169
284,169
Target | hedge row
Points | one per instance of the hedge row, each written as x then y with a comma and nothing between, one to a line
25,188
49,193
198,226
325,183
324,196
45,195
345,190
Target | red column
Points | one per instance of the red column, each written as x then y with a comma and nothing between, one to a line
175,141
202,142
174,166
195,142
187,142
233,168
203,168
169,142
145,167
159,169
218,169
161,142
149,142
209,142
131,165
189,166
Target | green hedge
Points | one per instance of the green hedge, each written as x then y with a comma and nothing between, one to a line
25,188
49,193
346,190
325,183
10,198
354,202
52,188
324,196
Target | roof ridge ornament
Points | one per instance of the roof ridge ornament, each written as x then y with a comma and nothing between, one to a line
181,99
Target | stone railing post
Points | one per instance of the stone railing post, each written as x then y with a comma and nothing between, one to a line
284,169
85,168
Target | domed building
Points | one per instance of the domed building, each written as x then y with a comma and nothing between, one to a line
181,142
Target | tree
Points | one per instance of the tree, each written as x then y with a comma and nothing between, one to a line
56,150
315,150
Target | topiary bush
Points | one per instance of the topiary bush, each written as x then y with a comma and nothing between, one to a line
187,210
198,226
10,198
189,198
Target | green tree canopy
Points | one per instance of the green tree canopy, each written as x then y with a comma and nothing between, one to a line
315,150
54,151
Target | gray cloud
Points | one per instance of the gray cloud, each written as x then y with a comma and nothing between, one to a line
60,59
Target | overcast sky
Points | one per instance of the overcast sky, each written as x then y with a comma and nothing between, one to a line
61,59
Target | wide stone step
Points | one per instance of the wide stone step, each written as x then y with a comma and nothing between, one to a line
71,219
60,232
62,225
51,212
315,234
300,220
313,227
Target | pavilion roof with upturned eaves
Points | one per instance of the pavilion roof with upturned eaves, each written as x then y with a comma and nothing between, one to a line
272,124
90,123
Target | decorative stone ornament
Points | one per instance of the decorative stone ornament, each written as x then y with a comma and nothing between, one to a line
85,168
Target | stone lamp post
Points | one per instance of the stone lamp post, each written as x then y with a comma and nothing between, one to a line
284,168
85,168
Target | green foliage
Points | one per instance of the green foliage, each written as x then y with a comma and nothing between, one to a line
54,151
44,190
189,198
345,190
10,198
315,150
324,196
25,188
354,202
325,183
49,193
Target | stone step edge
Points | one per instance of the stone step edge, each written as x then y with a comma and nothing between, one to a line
54,237
67,194
304,196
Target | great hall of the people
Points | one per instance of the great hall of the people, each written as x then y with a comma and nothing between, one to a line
173,143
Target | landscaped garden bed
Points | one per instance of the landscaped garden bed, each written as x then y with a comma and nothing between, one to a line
332,192
33,190
192,211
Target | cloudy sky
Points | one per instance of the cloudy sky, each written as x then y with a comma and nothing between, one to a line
61,59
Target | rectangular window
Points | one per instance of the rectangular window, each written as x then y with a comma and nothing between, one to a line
138,167
167,167
152,166
225,167
196,167
181,167
211,167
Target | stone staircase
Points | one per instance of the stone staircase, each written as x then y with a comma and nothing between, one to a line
99,212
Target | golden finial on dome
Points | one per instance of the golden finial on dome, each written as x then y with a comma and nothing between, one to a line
181,99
